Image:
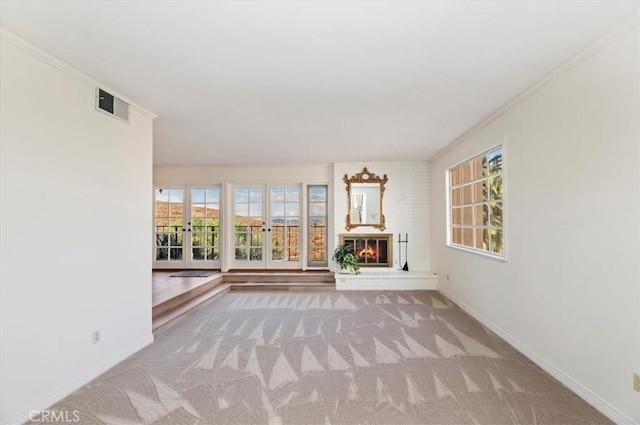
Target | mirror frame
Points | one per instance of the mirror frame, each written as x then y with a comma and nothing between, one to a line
365,176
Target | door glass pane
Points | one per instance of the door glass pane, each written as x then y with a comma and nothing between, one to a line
317,222
255,195
213,253
198,253
241,253
293,194
255,209
175,254
277,209
242,210
197,210
213,210
197,196
277,195
213,195
255,254
168,231
285,223
205,224
162,254
292,209
248,223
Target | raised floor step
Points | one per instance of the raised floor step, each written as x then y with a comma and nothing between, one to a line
174,296
279,277
169,315
283,286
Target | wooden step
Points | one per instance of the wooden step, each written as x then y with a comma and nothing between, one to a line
201,286
283,286
172,316
279,277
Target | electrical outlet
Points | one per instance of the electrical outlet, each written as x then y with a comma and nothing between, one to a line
636,382
96,337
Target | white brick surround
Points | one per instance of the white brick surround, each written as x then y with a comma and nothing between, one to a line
384,279
405,206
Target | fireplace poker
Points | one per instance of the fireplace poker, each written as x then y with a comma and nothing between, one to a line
399,248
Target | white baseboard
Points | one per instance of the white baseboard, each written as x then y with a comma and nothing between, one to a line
79,382
589,396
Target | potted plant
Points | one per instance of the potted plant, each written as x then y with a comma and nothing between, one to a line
346,259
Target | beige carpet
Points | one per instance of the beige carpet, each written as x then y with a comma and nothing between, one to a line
329,358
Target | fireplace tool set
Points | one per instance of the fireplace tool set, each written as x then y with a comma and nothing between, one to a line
406,247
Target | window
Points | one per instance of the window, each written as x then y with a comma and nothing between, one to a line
317,225
476,203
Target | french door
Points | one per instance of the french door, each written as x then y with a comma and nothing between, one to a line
187,227
267,227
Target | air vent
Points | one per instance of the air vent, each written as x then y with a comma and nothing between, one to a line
109,104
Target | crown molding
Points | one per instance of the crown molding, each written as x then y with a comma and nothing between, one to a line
626,26
28,47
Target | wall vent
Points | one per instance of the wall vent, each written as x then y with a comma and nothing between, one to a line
109,104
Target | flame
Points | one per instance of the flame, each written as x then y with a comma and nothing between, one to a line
367,252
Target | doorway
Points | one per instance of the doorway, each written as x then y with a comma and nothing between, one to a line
267,227
187,227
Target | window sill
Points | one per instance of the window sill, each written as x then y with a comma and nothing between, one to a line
495,257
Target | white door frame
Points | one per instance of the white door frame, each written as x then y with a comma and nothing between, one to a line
187,262
266,262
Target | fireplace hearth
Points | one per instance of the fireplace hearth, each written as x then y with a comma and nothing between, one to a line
372,250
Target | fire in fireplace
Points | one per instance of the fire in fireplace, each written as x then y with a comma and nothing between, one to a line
372,250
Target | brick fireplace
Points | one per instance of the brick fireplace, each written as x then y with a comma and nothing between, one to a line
372,249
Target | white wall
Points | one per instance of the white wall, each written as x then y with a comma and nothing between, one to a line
405,205
75,224
569,294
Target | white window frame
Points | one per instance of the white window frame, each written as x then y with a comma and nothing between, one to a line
309,264
495,256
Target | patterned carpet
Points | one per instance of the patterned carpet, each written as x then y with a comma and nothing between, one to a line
328,358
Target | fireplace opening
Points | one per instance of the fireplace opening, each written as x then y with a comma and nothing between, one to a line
372,250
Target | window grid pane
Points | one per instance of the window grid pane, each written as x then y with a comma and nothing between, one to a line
476,203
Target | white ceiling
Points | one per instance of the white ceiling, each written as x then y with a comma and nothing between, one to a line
313,81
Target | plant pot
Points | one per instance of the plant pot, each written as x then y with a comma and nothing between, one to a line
348,270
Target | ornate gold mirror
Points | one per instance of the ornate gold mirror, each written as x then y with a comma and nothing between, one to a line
364,195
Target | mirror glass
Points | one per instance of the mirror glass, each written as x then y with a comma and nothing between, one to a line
364,193
365,203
